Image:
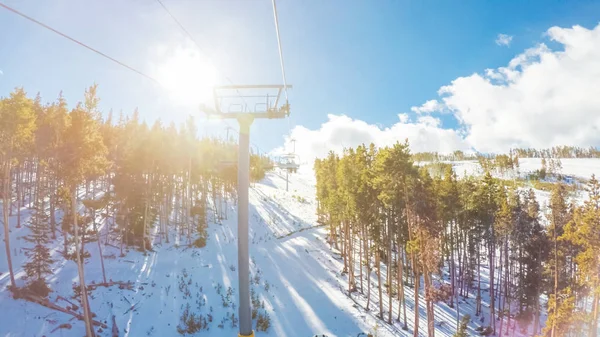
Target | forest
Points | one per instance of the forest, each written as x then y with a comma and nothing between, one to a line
403,224
71,167
381,209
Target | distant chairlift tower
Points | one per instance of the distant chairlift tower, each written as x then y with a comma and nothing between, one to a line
256,103
289,162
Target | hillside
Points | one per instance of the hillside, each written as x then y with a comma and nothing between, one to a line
295,274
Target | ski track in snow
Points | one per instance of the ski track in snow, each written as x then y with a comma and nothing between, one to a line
307,292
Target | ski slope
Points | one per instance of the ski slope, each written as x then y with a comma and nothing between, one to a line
295,274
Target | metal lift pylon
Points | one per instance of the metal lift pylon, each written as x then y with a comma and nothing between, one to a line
272,110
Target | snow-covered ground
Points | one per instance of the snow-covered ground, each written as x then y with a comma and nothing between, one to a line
582,168
294,272
289,258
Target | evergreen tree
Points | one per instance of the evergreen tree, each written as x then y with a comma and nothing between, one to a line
39,264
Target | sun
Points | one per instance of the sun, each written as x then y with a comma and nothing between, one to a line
188,77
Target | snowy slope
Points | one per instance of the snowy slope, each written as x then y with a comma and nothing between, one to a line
577,167
294,271
303,296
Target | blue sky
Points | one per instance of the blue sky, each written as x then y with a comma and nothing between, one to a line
368,60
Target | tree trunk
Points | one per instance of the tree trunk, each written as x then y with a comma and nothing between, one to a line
429,305
594,324
478,305
146,202
416,308
360,258
350,252
5,212
368,274
101,259
492,253
18,185
52,194
379,285
84,301
552,332
345,250
389,270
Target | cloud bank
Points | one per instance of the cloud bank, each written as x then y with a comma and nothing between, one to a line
543,97
338,132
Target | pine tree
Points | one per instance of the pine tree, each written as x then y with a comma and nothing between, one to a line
40,261
559,217
84,156
584,232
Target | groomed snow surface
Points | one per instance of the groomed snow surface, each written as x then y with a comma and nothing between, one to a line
294,272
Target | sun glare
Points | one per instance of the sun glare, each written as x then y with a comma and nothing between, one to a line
188,77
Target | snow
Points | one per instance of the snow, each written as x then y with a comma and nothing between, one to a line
307,293
582,168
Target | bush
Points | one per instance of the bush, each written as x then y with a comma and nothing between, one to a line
462,329
263,322
190,323
484,331
200,242
39,287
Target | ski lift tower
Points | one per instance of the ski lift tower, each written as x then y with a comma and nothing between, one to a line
245,103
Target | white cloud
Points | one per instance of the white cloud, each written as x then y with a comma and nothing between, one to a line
427,107
542,98
403,117
342,131
504,40
429,120
1,72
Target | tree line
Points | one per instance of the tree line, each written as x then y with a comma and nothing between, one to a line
393,220
87,177
564,151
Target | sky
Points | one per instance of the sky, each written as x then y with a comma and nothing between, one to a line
446,75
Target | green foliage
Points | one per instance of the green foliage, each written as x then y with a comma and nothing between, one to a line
263,322
40,262
190,323
463,327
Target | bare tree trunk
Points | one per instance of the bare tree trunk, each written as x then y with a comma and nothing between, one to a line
417,284
52,194
404,326
189,199
345,249
379,286
18,185
492,253
506,280
360,258
5,212
552,332
429,304
349,250
389,270
594,324
84,300
453,275
368,260
101,259
146,202
478,305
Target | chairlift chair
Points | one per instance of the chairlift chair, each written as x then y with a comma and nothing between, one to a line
289,162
